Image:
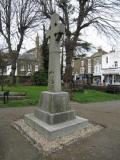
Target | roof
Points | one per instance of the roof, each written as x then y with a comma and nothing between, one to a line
27,56
32,49
100,52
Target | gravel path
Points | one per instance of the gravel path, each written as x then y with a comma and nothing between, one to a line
104,145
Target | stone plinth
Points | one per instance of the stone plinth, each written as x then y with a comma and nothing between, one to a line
54,108
54,118
54,102
55,131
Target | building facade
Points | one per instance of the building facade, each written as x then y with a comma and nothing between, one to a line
89,69
97,67
31,61
111,68
28,62
83,69
26,65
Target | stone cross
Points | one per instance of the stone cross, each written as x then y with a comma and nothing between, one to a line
54,35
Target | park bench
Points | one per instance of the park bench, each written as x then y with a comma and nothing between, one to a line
4,96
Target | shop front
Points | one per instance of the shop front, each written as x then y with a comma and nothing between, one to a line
112,76
97,80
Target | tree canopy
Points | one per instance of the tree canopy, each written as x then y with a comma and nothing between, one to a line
17,17
80,14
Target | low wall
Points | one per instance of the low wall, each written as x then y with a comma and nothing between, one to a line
97,88
24,80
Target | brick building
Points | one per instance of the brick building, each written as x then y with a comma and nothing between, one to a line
83,69
89,69
97,66
30,61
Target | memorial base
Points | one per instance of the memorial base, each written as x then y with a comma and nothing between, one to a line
54,118
57,130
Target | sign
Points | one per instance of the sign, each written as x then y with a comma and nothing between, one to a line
111,71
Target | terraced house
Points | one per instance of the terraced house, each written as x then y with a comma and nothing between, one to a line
28,62
97,66
111,67
89,69
83,69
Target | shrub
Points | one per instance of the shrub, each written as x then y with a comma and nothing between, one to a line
113,89
40,78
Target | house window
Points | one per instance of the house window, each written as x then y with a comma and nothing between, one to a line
89,70
22,68
106,59
36,68
29,67
116,64
82,70
82,63
89,62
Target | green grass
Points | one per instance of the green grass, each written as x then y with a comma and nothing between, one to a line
32,92
94,96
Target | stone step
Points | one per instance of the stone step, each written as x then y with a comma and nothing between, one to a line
52,132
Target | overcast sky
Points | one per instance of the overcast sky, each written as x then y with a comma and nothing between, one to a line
90,35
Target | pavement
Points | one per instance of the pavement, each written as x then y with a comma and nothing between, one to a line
103,145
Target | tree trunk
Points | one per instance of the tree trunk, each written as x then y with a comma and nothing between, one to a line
13,77
62,63
2,81
68,70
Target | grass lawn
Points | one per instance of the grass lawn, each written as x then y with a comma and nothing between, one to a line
94,96
33,94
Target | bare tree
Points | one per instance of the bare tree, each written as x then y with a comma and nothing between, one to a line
17,17
80,14
4,62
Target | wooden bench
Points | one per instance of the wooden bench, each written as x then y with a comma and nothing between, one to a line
4,96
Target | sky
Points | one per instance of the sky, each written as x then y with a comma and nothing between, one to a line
98,41
90,36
